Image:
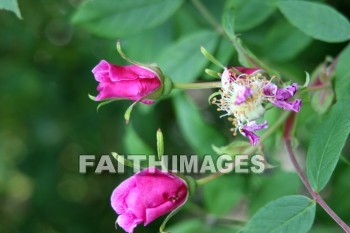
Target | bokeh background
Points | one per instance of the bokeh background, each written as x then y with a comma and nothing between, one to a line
47,119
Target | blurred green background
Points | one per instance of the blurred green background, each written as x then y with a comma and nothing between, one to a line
47,119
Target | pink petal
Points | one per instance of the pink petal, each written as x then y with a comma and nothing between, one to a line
101,71
170,205
119,194
131,72
248,71
270,90
292,106
287,92
134,203
253,126
225,79
253,138
132,90
128,222
165,192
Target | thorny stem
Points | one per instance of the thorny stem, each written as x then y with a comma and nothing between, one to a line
205,85
287,139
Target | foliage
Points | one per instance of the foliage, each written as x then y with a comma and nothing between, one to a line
47,120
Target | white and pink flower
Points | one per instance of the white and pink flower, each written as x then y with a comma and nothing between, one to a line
244,92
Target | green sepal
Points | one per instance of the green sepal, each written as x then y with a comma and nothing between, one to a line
124,161
93,98
212,73
168,85
105,103
172,213
191,184
211,58
160,144
129,110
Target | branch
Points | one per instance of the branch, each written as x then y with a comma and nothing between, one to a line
287,139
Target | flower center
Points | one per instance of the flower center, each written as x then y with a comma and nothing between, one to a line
242,98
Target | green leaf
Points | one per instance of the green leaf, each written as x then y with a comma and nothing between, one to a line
251,13
342,73
264,187
248,59
11,5
113,19
225,51
199,134
281,38
316,20
289,214
183,61
228,23
231,192
326,145
156,39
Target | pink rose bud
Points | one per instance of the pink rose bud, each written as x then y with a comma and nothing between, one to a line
131,82
147,195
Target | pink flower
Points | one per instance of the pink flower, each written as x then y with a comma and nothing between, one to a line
249,129
280,96
147,195
131,82
244,92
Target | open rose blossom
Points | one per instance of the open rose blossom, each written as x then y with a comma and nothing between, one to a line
244,94
147,195
131,82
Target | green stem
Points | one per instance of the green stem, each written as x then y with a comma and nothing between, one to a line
206,85
208,16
